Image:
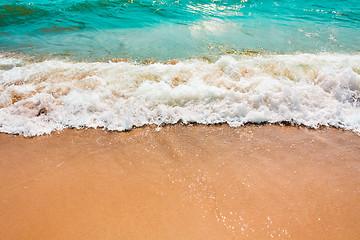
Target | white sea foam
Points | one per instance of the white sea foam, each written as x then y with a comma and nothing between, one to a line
314,90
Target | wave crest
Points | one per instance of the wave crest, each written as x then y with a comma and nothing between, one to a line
314,90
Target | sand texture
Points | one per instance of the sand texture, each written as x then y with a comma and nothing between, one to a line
181,182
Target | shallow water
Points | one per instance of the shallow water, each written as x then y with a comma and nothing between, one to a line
119,64
168,29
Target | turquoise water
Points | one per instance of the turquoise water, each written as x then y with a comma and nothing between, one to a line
106,63
177,29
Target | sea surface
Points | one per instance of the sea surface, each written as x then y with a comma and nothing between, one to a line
118,64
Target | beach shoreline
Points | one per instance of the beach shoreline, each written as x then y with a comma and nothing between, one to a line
182,182
179,120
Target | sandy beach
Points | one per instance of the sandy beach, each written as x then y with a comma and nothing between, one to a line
179,120
181,182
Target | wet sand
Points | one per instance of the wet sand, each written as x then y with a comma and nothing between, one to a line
181,182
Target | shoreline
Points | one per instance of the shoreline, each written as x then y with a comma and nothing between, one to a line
182,182
154,127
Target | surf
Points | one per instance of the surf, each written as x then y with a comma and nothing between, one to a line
38,97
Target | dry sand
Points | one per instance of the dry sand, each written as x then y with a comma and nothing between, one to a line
181,182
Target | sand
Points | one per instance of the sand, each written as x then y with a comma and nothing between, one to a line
181,182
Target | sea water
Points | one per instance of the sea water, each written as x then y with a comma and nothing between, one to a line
117,64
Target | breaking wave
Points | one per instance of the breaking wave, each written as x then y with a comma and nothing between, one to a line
38,97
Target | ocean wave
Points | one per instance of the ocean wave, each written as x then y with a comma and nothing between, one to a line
38,97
